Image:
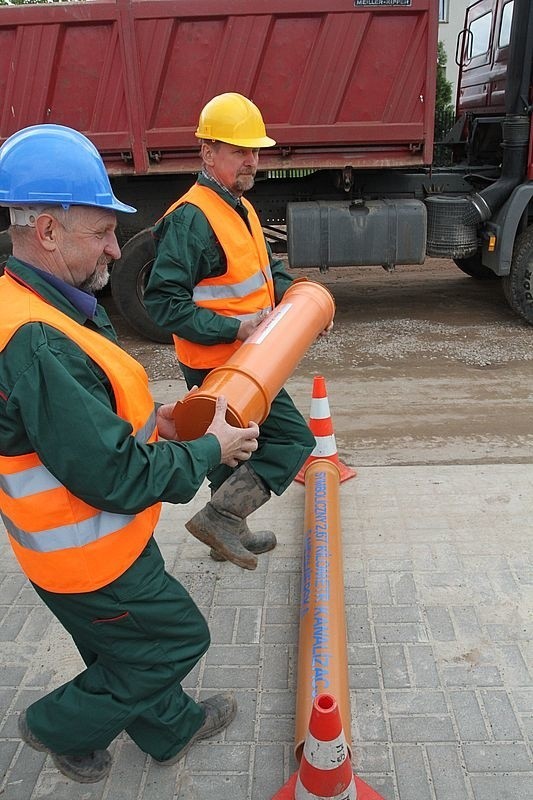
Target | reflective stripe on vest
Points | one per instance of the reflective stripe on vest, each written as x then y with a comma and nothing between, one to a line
246,287
40,479
62,543
203,293
31,481
68,536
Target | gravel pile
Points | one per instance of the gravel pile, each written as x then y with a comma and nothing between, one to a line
392,339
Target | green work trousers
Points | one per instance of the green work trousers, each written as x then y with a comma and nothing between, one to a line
284,442
139,637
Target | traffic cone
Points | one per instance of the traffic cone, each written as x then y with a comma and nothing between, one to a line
364,791
325,769
321,427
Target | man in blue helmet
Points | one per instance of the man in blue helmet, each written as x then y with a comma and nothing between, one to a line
85,461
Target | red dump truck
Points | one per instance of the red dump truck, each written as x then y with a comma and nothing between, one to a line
347,89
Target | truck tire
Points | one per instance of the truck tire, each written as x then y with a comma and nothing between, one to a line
472,266
5,249
518,285
128,279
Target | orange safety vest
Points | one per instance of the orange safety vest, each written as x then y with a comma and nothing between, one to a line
62,543
246,287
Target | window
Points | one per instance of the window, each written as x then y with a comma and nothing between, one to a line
443,10
505,29
480,39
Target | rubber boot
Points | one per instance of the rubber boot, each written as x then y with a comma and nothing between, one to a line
219,523
258,542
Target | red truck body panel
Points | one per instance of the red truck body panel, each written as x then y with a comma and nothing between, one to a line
339,82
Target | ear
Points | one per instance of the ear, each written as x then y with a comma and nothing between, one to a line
206,151
46,228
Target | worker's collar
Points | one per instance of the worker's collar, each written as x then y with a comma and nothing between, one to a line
208,177
82,301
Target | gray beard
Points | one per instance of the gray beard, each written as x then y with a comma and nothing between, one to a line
244,183
95,282
238,188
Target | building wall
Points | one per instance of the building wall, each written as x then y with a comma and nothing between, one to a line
452,16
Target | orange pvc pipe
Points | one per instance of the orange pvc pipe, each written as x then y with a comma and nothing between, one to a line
256,372
322,648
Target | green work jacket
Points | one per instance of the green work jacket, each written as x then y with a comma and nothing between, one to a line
56,401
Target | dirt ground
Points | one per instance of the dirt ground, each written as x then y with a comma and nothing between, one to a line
424,365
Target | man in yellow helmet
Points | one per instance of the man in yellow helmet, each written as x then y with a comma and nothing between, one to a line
213,280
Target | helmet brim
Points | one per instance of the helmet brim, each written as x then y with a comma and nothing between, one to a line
260,141
126,209
113,205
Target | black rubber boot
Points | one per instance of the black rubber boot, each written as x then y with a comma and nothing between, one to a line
88,768
219,523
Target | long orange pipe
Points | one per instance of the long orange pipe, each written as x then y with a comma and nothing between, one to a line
322,648
256,372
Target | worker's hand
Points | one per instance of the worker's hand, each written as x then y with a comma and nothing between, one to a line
248,326
165,419
326,330
165,422
236,444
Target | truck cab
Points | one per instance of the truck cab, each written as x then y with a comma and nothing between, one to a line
482,54
492,142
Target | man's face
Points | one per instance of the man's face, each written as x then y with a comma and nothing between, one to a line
86,244
234,167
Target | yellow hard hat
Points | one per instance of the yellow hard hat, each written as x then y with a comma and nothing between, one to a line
232,118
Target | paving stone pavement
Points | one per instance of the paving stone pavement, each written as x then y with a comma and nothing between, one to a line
438,588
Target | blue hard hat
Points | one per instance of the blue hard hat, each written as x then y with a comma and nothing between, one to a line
54,164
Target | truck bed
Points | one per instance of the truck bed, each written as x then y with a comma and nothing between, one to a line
340,82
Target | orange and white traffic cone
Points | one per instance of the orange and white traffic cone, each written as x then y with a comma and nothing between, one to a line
321,426
325,769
